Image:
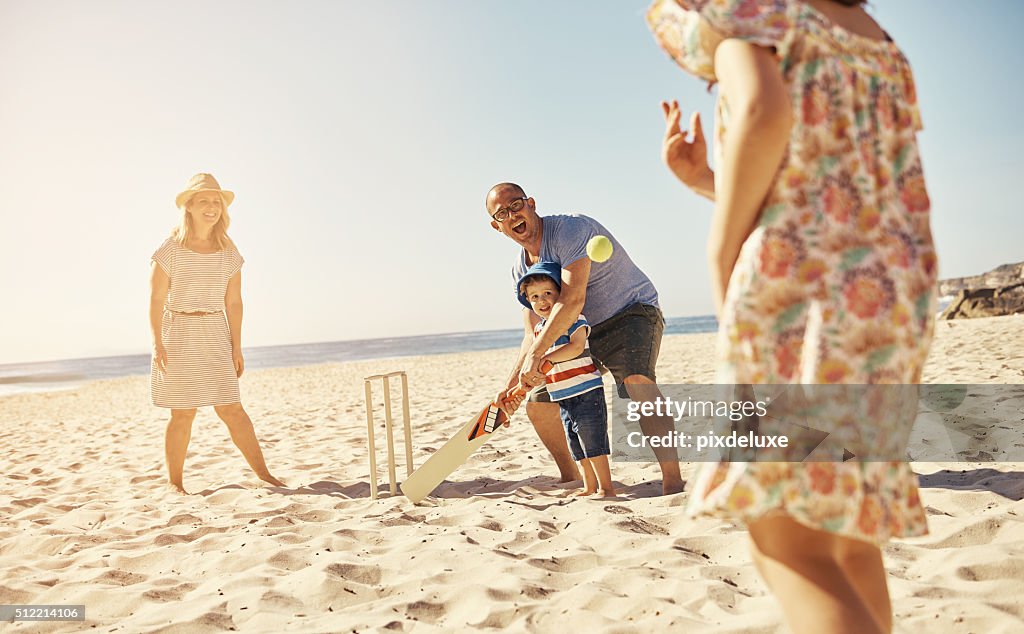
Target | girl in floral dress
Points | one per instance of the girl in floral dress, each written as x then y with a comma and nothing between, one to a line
823,270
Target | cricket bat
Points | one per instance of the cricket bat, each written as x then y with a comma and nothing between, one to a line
439,466
453,453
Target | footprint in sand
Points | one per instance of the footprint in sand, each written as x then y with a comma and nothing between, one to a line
1008,569
497,619
366,575
617,510
491,525
572,563
500,595
292,560
144,478
639,525
692,547
166,595
426,611
119,578
272,602
184,518
977,534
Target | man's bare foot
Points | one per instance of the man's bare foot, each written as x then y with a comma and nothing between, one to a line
572,476
672,486
272,480
177,487
585,492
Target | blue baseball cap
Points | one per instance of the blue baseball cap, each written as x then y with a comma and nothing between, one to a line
550,269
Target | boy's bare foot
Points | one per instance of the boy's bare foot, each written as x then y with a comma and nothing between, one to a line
272,480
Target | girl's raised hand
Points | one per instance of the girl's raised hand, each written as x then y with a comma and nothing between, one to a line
688,160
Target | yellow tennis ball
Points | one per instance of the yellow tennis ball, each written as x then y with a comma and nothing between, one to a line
599,248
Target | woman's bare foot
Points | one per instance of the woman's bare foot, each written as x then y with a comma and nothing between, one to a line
272,480
585,492
608,493
177,487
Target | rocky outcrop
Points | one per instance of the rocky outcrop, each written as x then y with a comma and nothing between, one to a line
998,292
998,277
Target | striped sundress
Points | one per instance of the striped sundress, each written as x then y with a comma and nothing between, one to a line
200,371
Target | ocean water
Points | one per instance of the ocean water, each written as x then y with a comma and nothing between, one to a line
48,376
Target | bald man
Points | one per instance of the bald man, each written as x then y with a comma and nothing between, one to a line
620,302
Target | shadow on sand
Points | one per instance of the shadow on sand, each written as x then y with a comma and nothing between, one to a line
1009,484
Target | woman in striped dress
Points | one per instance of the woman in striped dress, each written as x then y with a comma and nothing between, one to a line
195,312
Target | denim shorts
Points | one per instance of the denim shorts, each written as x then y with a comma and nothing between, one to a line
586,424
625,344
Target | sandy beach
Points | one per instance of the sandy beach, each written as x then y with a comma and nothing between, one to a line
86,517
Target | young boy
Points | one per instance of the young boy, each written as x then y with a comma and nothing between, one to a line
573,381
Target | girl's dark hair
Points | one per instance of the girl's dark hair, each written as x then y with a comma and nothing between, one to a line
850,3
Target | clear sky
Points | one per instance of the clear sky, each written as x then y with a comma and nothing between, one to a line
361,137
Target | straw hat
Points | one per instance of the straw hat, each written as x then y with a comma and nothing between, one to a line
203,183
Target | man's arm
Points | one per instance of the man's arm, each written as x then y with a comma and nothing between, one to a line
510,405
563,315
530,320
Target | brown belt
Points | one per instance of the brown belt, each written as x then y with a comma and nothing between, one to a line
198,313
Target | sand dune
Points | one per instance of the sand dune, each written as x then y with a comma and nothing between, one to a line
85,517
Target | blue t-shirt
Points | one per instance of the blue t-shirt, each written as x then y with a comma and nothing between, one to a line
614,284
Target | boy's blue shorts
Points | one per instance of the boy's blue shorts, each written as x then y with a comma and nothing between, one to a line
586,424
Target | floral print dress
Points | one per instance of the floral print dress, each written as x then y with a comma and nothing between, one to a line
836,282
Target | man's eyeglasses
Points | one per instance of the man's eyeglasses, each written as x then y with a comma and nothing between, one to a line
504,212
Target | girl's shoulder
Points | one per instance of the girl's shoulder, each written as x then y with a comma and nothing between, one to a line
690,30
